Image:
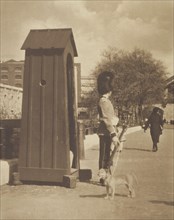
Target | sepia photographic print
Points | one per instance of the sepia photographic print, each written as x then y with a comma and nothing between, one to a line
86,109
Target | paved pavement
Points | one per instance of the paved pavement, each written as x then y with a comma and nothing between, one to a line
154,192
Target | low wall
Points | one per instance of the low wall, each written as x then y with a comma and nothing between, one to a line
11,101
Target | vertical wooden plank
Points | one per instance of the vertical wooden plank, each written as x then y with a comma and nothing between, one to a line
28,138
34,112
55,105
42,112
48,110
23,151
62,150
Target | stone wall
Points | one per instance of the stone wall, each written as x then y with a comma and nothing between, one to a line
11,101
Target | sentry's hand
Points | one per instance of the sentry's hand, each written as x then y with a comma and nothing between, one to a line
115,140
120,148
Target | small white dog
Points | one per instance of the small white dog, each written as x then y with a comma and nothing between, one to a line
111,182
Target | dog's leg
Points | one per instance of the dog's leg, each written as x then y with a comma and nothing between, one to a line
127,185
131,191
107,192
112,193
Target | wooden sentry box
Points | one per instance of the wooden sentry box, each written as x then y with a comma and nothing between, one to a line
49,114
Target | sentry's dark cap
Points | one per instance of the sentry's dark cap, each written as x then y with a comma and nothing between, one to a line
105,82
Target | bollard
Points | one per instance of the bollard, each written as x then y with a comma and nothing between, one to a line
81,140
69,181
16,179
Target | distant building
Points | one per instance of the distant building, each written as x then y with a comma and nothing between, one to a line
12,73
88,83
170,89
169,108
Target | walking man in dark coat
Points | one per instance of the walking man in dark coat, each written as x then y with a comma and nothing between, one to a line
155,122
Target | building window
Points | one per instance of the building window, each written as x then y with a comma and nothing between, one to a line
18,77
4,69
18,85
18,69
4,77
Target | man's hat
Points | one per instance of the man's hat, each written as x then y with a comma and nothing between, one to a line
105,82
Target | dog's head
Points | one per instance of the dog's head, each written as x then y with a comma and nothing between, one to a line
103,173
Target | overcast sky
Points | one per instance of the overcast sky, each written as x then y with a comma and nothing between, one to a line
96,25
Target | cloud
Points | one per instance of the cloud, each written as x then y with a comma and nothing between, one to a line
147,10
74,14
130,33
148,25
95,24
89,50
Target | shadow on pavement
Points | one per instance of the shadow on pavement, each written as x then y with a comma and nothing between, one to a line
93,182
127,148
162,202
100,196
93,196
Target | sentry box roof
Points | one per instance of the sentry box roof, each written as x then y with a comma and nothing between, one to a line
49,39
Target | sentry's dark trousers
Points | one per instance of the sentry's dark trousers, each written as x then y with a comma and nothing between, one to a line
104,152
